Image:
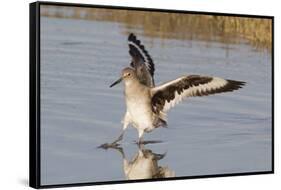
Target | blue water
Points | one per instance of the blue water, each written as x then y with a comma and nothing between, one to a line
224,133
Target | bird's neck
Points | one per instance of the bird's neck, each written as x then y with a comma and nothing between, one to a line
133,87
130,84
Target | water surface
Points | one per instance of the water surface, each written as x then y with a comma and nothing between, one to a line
224,133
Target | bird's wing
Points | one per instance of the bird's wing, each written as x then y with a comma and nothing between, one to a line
171,93
141,61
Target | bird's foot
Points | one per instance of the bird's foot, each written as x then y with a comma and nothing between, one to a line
109,145
114,144
142,142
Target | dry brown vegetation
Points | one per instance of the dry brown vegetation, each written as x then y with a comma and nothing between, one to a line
227,29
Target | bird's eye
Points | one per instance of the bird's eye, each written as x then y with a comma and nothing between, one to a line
129,74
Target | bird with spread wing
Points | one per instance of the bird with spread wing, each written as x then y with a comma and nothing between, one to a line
148,104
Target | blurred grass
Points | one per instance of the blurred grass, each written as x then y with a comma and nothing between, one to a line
225,29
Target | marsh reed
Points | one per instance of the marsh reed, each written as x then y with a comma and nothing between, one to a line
225,29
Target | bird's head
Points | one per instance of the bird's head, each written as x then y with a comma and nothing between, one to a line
127,74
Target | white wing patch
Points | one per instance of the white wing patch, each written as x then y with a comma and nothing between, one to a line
166,96
141,61
216,83
146,61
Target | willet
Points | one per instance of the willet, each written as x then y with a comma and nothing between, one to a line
148,104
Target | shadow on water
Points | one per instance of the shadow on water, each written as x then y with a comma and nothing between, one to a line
144,164
115,144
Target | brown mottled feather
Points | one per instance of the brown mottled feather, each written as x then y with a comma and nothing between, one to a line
167,94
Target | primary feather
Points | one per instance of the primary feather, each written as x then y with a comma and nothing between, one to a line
141,61
167,95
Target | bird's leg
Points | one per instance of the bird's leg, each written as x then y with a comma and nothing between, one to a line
125,125
120,150
126,122
119,138
140,141
114,144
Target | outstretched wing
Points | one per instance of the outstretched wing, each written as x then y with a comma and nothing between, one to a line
141,61
171,93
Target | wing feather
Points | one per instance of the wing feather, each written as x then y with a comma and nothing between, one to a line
166,96
141,61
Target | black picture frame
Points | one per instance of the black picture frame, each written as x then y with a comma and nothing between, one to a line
34,94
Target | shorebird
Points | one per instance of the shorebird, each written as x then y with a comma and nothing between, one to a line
148,104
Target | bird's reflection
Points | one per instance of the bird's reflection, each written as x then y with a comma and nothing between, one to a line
144,164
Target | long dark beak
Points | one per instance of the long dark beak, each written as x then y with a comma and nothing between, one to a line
116,82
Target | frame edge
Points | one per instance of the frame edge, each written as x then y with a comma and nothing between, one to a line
34,156
34,95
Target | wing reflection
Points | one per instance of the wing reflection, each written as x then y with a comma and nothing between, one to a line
144,165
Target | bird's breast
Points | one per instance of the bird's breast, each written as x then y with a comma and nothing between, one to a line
139,107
